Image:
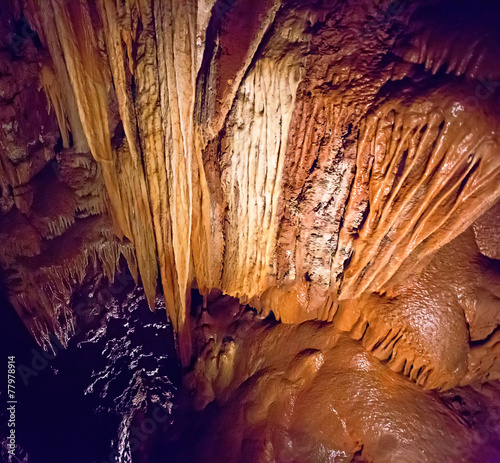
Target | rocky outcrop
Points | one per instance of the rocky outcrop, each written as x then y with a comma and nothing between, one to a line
308,392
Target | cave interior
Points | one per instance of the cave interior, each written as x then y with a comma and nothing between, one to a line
250,230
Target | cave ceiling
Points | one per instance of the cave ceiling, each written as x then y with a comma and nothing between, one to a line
326,161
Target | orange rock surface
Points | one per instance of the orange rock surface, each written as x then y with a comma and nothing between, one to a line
336,164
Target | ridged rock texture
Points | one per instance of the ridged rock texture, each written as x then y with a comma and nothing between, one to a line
55,225
336,161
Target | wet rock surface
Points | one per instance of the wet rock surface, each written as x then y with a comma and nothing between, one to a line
308,190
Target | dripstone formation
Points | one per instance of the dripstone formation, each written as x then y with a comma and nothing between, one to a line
325,174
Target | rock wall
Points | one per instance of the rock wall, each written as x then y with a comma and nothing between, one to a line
310,158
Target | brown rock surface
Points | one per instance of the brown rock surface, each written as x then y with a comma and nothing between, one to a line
307,392
326,160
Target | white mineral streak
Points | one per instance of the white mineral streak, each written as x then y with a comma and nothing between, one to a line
252,173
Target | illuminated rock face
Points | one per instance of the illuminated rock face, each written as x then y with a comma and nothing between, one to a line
309,392
327,161
325,402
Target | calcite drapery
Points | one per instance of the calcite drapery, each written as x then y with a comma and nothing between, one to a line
317,160
305,167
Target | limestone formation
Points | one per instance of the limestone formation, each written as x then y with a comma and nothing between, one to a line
334,165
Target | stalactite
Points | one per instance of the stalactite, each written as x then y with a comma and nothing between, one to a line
150,128
134,191
463,44
50,84
41,16
424,174
177,69
120,54
54,205
230,59
439,336
222,71
433,355
42,285
279,167
164,72
77,58
75,40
